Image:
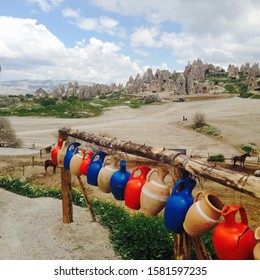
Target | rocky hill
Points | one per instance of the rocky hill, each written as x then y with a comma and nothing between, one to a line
197,78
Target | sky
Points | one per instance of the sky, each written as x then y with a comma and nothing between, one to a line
107,41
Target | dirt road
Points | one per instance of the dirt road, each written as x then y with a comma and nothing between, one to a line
158,125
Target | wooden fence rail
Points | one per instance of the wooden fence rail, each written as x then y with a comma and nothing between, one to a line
244,183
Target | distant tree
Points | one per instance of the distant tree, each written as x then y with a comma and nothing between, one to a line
199,120
7,135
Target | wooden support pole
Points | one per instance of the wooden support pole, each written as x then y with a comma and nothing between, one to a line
67,210
247,184
182,246
93,216
200,249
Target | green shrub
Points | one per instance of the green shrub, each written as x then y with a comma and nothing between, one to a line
217,158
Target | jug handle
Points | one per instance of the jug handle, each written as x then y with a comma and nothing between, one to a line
76,150
198,194
177,184
150,174
133,172
229,209
86,154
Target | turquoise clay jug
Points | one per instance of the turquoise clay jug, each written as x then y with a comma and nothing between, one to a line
119,180
178,204
95,165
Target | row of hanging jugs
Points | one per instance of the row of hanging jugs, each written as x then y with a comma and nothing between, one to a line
142,189
231,239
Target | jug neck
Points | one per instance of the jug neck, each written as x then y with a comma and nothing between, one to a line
123,165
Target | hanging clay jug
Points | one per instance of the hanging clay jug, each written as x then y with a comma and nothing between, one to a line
203,215
76,161
105,173
134,187
154,193
233,240
69,154
83,169
178,205
95,165
256,251
55,150
61,153
119,180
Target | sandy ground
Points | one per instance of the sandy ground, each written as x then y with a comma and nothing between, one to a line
158,125
32,228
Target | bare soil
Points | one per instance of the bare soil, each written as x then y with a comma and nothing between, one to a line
156,125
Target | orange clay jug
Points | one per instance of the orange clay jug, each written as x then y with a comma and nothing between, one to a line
134,187
83,169
154,193
234,240
105,173
203,215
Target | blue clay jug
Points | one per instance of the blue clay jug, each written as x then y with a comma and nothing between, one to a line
119,180
95,165
178,204
69,154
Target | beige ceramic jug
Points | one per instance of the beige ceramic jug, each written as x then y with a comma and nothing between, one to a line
154,193
61,153
256,251
76,161
203,215
105,173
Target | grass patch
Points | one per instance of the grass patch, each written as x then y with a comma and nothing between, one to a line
134,236
208,129
217,158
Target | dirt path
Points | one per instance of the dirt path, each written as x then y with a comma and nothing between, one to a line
32,228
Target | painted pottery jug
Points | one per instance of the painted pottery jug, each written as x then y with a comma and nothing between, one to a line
95,165
76,161
83,169
61,153
134,187
256,251
178,205
154,193
55,150
119,180
234,240
203,215
69,154
107,170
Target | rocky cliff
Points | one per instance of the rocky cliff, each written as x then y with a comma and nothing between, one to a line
194,80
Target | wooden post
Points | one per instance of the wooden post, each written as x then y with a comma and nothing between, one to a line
93,217
182,246
67,211
199,247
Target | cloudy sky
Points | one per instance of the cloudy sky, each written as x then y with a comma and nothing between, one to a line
106,41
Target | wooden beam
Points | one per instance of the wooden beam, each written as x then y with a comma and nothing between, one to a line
247,184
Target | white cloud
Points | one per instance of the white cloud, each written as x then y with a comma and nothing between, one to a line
102,24
146,37
46,5
34,52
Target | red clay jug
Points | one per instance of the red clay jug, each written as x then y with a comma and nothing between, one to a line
134,187
233,240
83,169
55,150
